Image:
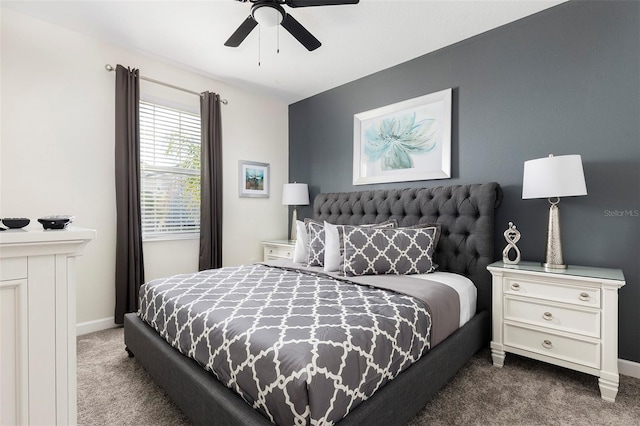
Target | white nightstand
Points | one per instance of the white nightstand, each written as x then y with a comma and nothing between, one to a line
278,249
564,317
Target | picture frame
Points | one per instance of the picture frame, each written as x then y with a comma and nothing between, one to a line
404,141
253,179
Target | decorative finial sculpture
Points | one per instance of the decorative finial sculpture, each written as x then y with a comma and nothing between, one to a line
512,235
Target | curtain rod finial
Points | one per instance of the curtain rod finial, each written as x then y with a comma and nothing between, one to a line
109,68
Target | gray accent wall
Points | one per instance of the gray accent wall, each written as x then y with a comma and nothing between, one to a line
563,81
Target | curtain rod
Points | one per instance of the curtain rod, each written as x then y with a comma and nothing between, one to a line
110,68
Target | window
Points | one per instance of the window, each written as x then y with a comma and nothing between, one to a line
170,171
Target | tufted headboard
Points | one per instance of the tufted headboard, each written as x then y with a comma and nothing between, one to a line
465,214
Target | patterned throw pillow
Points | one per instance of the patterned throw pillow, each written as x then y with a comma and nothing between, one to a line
332,256
315,233
401,251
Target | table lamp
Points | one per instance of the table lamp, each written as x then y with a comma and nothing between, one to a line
553,177
295,194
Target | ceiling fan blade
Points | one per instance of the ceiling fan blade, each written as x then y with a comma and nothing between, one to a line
300,33
307,3
241,33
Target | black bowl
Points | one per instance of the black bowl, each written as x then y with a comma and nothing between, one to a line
15,222
55,222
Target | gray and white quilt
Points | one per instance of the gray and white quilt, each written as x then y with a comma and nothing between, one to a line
301,346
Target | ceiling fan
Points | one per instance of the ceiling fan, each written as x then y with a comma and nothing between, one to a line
271,13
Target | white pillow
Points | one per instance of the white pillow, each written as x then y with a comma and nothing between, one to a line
301,248
331,247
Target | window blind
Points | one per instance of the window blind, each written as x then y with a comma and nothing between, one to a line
170,171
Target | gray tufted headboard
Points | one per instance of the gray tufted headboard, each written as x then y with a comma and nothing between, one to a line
465,214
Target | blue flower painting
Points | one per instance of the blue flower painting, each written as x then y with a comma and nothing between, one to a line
394,140
405,141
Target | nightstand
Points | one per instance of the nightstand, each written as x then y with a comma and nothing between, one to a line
564,317
278,249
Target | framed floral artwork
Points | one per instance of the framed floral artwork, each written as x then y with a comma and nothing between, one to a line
253,179
405,141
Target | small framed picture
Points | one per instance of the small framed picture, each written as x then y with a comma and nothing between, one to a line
253,179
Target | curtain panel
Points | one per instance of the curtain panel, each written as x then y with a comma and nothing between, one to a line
129,259
210,255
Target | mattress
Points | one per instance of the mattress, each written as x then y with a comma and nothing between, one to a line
467,292
301,347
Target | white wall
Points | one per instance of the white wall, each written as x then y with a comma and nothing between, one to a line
57,154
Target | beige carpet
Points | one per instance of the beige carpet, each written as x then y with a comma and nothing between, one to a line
115,390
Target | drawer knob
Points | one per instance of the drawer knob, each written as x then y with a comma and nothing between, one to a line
547,316
547,344
515,286
584,297
270,251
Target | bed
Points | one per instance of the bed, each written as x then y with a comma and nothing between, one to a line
465,217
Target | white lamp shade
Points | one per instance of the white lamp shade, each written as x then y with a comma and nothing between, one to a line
295,194
551,177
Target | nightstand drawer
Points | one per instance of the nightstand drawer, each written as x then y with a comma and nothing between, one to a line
578,351
550,290
277,253
564,318
278,249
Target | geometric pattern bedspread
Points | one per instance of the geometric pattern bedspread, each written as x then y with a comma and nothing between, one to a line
302,348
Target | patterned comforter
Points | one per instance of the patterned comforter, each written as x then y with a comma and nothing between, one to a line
301,347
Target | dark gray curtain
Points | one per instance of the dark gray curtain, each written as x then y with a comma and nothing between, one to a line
129,262
211,183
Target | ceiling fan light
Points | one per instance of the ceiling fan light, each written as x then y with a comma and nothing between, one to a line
267,16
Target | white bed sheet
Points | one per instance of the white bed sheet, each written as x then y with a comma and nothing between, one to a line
462,285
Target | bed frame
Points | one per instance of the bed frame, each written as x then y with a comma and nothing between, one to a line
466,216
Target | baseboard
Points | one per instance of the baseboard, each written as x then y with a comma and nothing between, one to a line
629,368
95,325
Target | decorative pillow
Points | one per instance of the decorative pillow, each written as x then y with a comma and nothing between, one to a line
315,232
375,251
332,242
301,249
424,225
428,225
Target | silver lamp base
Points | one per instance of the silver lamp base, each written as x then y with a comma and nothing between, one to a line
294,228
553,253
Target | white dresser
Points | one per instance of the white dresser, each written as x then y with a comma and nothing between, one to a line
278,249
563,317
38,325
